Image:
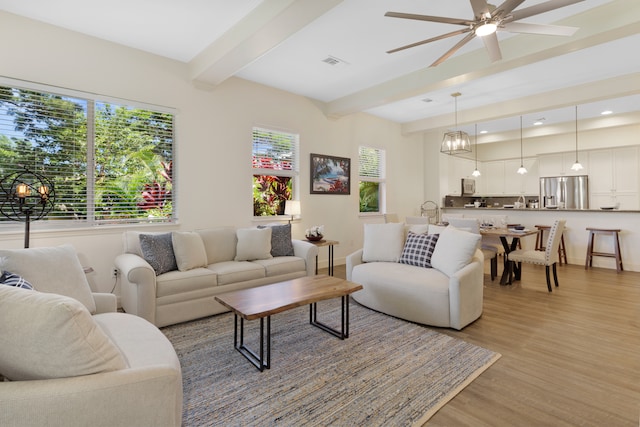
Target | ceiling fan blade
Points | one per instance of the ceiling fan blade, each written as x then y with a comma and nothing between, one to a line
480,8
433,39
505,8
549,30
492,46
541,8
440,19
454,49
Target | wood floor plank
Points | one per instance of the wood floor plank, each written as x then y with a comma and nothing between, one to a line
569,358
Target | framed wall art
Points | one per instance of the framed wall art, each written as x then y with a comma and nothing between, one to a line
330,174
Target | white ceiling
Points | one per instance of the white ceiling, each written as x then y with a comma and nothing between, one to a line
282,43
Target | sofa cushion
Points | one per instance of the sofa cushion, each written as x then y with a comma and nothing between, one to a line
45,336
237,271
53,269
12,279
189,250
383,242
220,243
277,266
181,282
253,243
418,249
157,250
454,250
280,239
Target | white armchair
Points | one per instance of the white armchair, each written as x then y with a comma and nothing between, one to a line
69,359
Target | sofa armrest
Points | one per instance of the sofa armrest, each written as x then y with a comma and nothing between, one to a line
466,292
308,252
111,398
137,286
353,260
105,302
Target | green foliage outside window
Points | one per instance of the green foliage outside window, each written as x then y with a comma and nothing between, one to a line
369,196
109,163
274,162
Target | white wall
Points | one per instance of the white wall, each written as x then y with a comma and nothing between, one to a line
213,151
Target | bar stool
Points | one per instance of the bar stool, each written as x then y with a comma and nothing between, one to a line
540,241
616,247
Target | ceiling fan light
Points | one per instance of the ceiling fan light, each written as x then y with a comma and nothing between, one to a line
485,29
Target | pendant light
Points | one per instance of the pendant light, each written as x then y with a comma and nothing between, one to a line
476,173
576,166
455,142
521,170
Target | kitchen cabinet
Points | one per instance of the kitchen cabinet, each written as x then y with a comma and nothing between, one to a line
613,178
560,164
458,168
501,177
516,184
493,178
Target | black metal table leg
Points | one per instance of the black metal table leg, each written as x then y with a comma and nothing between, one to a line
261,361
344,327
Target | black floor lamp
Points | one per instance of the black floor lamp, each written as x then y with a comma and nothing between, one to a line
26,196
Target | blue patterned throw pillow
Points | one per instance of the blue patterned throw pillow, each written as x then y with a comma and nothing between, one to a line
157,250
418,249
12,279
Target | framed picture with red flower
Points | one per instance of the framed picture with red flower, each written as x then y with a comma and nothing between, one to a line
330,174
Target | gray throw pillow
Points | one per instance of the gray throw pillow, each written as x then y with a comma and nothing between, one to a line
157,250
280,240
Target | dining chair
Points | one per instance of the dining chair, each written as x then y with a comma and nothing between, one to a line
391,217
472,225
548,258
416,220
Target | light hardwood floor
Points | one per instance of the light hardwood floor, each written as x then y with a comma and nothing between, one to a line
569,358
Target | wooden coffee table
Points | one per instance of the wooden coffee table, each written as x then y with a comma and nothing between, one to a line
263,301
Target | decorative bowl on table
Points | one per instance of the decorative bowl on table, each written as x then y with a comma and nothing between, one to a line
314,238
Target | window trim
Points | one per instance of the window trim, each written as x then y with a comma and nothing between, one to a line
381,180
294,173
91,223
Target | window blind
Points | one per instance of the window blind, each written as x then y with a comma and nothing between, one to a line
370,163
109,163
275,151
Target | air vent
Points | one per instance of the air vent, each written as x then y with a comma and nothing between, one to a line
334,62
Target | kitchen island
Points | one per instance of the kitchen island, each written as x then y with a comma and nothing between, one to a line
576,236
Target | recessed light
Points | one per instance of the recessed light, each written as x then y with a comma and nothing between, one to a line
427,100
606,112
484,131
539,121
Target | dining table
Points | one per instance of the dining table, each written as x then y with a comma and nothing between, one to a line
506,233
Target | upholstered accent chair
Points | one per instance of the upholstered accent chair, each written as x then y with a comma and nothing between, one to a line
472,225
548,258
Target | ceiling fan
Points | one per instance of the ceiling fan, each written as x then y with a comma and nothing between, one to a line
487,20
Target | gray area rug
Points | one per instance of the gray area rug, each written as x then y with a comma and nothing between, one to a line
388,372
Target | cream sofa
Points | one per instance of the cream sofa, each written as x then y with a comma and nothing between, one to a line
209,262
439,284
69,359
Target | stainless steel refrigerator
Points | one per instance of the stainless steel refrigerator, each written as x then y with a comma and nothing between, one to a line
564,192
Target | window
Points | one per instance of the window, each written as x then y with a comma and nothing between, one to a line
371,174
109,162
275,170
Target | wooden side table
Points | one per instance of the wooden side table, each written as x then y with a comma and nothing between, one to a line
330,244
